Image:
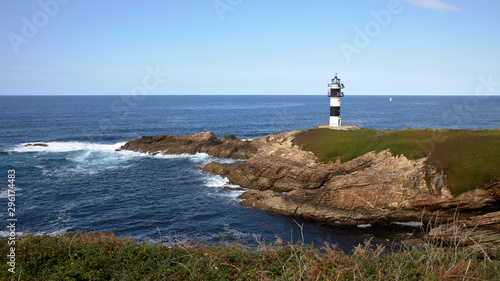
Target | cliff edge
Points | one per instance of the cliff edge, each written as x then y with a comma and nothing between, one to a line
285,176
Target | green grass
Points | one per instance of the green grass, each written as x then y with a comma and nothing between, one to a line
470,159
103,256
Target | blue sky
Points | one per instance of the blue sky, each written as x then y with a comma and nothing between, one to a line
410,47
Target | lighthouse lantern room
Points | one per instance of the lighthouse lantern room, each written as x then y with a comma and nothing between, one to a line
335,93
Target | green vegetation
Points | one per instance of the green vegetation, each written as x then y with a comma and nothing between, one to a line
470,159
103,256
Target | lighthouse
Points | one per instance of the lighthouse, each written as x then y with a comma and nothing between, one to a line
335,93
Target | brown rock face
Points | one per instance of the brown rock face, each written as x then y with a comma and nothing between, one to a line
374,188
206,142
477,234
276,168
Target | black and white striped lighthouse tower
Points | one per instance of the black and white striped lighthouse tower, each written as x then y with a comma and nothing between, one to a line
335,93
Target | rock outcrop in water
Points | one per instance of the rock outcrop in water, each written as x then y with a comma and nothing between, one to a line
206,142
375,188
37,144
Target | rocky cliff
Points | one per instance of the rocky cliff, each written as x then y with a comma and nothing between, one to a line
478,234
375,188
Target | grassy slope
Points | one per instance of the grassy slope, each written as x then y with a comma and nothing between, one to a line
103,256
470,159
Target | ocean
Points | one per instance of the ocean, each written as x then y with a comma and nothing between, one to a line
79,182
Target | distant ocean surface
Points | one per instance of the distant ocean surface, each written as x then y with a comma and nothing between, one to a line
79,182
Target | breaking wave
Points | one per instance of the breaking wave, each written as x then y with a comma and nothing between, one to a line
222,187
83,158
64,147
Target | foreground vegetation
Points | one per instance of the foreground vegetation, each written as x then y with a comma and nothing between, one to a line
103,256
469,158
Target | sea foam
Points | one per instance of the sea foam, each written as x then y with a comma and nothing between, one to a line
222,187
65,147
85,158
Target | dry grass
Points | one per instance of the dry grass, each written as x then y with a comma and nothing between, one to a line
103,256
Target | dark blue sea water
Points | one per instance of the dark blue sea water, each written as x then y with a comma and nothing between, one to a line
79,182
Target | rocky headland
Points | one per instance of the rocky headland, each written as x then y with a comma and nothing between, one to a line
374,188
206,142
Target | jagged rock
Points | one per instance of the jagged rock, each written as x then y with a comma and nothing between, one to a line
206,142
478,234
37,144
277,168
375,188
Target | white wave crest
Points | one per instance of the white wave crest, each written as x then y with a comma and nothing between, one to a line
92,147
223,188
82,158
92,158
216,181
199,158
65,147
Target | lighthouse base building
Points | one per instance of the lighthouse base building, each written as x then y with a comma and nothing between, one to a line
335,93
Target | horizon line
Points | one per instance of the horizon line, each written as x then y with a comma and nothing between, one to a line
160,95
